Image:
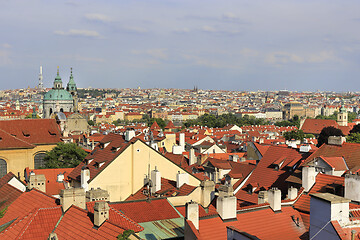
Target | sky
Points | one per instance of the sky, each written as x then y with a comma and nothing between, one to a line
245,45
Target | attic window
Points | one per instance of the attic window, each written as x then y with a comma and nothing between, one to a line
90,160
101,164
52,132
26,133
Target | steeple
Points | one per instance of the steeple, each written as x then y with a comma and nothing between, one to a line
71,86
57,81
342,117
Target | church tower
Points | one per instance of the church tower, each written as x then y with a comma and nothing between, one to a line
72,89
342,117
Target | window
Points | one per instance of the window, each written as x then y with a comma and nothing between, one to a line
3,168
39,160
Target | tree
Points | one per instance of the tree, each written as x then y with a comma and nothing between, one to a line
91,122
125,235
326,132
294,134
355,129
353,137
64,155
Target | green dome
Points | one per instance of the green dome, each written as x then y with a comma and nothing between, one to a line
58,94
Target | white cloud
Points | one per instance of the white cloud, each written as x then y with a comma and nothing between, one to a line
4,57
209,29
157,53
83,58
247,52
182,30
322,57
6,45
79,33
133,29
98,17
230,17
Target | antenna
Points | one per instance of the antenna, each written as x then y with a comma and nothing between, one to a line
40,85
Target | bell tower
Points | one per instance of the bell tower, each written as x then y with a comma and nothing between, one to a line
342,117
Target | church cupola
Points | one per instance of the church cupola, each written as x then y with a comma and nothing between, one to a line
57,81
342,117
71,86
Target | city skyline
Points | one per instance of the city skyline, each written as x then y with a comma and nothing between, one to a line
232,45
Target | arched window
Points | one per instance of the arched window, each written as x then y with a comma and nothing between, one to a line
39,160
3,168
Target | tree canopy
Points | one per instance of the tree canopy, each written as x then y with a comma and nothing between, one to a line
64,155
295,121
326,132
353,137
294,134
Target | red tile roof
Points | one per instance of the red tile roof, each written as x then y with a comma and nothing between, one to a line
262,223
27,132
155,126
76,224
147,210
315,126
37,224
25,203
338,163
349,151
322,181
53,187
8,194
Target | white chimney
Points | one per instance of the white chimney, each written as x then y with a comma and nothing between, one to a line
226,203
308,178
129,134
182,140
192,213
326,207
305,148
85,177
235,158
60,177
336,140
352,186
101,213
263,197
177,149
192,157
292,193
156,180
207,192
274,197
181,179
72,196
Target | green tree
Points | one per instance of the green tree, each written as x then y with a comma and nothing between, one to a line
353,137
294,134
125,235
355,129
351,116
3,211
309,135
91,122
326,132
64,155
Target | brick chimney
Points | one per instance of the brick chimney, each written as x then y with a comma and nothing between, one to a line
72,196
192,213
308,178
101,213
38,182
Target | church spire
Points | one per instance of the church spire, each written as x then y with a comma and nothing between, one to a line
57,81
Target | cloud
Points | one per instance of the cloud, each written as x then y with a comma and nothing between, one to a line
98,17
209,29
182,30
281,58
6,45
157,53
247,52
212,30
322,57
83,58
132,29
4,58
79,33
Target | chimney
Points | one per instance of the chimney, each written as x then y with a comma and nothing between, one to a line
53,236
156,180
226,203
235,158
326,207
177,149
292,193
72,196
207,192
352,185
192,157
181,179
274,197
85,177
192,213
336,140
263,197
38,182
308,178
242,159
129,134
60,177
97,195
182,140
101,213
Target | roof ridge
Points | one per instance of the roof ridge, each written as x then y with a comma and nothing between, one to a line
17,138
125,217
